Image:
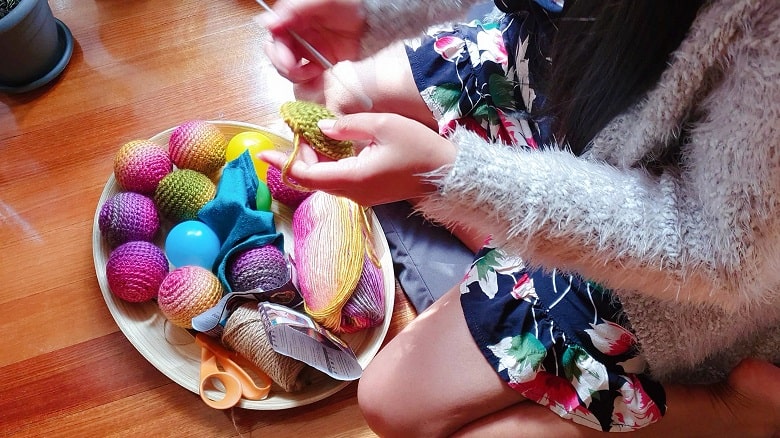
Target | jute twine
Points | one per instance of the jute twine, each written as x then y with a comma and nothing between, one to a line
245,334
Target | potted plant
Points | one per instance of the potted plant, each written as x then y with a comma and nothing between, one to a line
34,46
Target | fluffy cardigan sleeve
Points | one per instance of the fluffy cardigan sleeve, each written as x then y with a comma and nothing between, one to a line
705,230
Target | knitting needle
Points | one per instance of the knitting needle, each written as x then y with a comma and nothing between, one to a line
324,62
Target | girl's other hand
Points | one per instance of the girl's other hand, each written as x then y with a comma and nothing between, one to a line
333,27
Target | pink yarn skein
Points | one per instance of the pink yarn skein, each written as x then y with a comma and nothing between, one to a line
135,271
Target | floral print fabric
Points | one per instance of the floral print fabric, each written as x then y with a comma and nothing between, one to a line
481,75
560,342
555,338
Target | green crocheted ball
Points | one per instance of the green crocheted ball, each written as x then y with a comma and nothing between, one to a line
182,193
302,117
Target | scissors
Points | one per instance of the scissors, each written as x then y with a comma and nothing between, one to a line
236,382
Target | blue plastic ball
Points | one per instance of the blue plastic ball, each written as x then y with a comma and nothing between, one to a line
192,243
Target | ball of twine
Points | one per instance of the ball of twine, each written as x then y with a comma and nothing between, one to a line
135,270
139,165
128,216
263,267
282,192
182,193
186,292
199,146
329,251
245,334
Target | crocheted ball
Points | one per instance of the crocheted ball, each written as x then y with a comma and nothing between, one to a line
139,166
199,146
182,193
263,267
128,216
283,193
135,271
302,117
186,292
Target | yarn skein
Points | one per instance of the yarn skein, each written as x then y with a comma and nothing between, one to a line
245,334
366,307
329,250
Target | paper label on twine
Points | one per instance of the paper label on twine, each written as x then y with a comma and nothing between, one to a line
212,321
296,335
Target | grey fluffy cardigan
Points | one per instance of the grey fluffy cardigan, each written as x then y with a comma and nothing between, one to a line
692,250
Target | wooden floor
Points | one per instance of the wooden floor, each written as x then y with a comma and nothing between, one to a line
138,68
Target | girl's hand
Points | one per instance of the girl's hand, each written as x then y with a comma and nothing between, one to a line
388,167
333,27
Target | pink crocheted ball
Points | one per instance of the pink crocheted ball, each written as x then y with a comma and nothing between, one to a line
128,216
186,292
283,193
199,146
135,271
263,267
139,166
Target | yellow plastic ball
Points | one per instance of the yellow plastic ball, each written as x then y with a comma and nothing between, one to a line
254,142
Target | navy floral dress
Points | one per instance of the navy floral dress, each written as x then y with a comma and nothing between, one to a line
556,338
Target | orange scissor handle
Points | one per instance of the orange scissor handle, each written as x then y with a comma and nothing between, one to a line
236,381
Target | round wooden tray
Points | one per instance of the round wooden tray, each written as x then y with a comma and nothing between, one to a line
174,352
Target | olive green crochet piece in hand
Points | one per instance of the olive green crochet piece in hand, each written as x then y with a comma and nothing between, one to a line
302,117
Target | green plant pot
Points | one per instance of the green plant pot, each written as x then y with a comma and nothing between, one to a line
34,47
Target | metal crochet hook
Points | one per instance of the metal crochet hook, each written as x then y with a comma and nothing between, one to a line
324,62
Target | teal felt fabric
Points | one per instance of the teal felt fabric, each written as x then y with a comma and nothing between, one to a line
233,217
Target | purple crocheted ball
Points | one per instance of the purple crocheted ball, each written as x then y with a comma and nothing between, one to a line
282,192
263,267
128,216
135,271
139,166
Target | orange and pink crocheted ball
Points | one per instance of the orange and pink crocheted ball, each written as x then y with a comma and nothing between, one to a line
186,292
139,165
198,145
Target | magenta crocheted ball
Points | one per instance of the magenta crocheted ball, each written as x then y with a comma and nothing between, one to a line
262,267
283,193
186,292
128,216
135,271
199,146
182,193
140,165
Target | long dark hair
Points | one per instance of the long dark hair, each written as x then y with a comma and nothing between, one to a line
606,54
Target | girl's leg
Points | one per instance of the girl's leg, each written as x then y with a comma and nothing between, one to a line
747,405
431,379
385,77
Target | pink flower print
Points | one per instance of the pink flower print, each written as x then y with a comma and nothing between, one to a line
449,47
611,338
634,409
518,131
490,43
524,289
447,127
549,390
